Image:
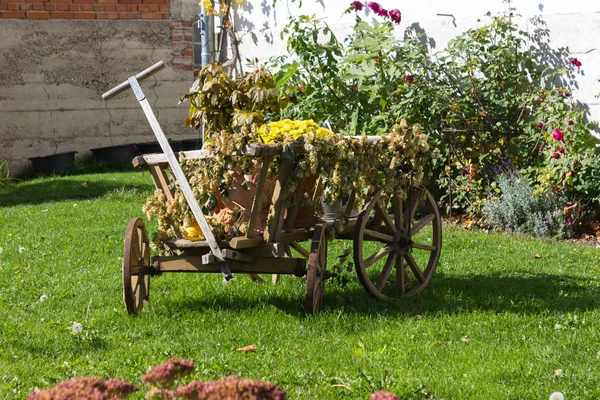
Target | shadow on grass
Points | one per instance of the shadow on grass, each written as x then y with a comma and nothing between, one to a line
446,294
59,189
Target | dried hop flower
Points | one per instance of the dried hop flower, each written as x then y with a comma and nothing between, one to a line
164,375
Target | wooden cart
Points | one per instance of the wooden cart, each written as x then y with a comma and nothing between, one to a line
396,242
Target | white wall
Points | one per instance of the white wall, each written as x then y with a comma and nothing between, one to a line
573,24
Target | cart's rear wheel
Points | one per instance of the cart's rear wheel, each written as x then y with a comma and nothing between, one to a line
397,242
136,261
317,271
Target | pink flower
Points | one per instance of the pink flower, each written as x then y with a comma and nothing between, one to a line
570,122
541,148
382,395
409,78
540,125
164,375
569,222
357,5
396,16
300,88
556,156
374,6
558,135
561,150
575,62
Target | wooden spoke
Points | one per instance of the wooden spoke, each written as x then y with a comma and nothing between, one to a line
387,270
400,277
384,245
398,212
414,267
384,216
136,262
317,271
379,236
422,246
384,251
423,222
299,249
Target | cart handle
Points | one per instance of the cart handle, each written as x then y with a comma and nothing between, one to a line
141,76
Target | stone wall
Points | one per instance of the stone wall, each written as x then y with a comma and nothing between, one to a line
53,72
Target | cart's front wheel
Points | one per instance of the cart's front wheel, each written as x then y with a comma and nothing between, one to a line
317,271
397,242
136,262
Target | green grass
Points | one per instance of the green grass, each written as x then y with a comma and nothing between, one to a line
495,322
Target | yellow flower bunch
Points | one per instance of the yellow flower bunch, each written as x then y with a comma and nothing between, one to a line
278,132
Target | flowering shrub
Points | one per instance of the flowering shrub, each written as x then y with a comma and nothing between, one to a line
86,388
164,382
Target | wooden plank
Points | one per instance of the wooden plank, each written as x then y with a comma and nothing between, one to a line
261,265
277,210
296,235
257,202
245,243
297,201
179,176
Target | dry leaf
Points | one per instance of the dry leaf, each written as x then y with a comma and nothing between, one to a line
84,184
558,372
537,256
248,349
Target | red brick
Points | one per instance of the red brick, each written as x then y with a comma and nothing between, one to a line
38,7
38,15
129,15
15,7
163,8
86,7
62,7
26,7
13,14
166,16
152,8
121,7
157,2
84,15
61,15
30,1
151,16
84,1
111,15
106,1
98,7
3,6
131,7
142,8
109,7
50,7
187,23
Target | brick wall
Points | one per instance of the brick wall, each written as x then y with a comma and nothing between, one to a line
85,9
183,46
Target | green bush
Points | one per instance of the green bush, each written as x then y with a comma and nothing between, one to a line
518,209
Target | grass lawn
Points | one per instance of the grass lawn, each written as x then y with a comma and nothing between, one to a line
494,323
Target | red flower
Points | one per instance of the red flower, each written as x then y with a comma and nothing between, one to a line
570,122
409,78
540,125
395,15
558,135
357,5
567,94
561,150
575,62
556,156
541,148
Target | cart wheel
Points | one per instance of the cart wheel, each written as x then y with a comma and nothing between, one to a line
317,273
136,259
384,245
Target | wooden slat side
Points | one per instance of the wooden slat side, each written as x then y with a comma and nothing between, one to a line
162,182
277,209
257,205
297,201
